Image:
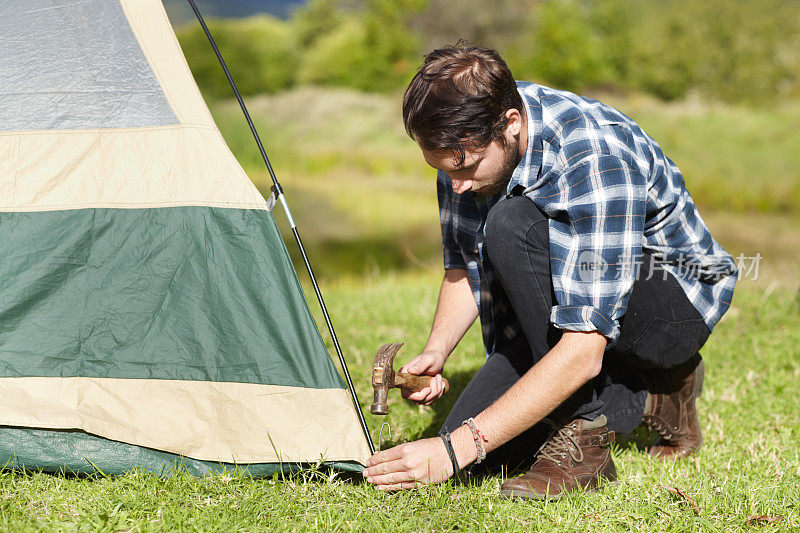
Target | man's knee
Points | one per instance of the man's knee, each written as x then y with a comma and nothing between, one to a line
513,219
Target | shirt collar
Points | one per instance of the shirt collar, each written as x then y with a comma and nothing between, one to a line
527,171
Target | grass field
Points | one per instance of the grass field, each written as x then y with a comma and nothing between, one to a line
749,464
365,203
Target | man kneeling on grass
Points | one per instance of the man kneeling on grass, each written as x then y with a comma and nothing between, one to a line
595,279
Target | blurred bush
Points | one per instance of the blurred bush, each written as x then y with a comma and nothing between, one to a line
370,49
732,51
260,52
562,46
743,51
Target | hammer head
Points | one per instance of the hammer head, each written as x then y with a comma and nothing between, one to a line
383,377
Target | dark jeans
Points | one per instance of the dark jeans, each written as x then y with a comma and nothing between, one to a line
661,329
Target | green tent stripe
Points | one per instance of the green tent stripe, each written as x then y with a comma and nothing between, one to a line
189,293
81,453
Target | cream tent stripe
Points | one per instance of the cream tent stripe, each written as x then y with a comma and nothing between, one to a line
152,29
153,167
210,421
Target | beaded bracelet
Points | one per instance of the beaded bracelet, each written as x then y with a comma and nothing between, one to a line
478,437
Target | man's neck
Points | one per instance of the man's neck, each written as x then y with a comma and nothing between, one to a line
523,137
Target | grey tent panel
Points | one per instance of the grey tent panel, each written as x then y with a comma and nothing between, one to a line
74,64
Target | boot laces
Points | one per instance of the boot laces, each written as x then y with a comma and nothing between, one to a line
562,441
654,424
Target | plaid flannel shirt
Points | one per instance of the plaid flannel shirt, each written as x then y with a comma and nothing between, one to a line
609,193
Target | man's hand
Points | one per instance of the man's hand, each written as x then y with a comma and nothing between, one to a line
455,312
428,363
409,465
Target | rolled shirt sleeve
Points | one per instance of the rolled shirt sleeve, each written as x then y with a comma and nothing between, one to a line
597,213
452,258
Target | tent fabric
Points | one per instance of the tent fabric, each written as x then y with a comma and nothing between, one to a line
76,452
184,293
129,168
150,25
74,65
227,422
146,297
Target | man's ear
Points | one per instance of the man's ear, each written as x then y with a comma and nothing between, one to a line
514,126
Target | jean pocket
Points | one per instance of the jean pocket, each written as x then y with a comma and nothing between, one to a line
668,343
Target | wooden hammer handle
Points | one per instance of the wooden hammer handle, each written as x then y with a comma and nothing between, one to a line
414,383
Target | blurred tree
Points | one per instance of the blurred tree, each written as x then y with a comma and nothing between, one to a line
748,50
444,22
561,46
720,50
337,57
665,49
316,19
372,49
260,52
614,22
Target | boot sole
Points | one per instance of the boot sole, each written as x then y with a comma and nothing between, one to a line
523,495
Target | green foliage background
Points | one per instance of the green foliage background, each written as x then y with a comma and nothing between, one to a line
743,51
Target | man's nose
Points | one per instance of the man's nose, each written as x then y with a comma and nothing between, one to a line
460,186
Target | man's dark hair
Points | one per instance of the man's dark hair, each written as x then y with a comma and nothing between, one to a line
458,99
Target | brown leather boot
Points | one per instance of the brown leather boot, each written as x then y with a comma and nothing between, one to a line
576,456
670,409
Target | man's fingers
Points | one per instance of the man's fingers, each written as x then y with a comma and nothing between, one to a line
429,394
421,364
382,469
416,366
391,478
419,396
385,456
433,395
400,486
437,389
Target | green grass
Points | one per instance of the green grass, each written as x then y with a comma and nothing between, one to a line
749,464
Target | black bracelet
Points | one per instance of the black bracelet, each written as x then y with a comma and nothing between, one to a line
448,444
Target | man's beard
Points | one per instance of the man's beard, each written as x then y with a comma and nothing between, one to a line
499,182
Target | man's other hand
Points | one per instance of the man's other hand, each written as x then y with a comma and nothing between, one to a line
428,363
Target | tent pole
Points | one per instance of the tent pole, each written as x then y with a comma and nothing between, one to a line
278,192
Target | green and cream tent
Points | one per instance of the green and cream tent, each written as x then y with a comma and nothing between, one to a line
149,313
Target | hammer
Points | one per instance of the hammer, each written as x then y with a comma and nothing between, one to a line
384,378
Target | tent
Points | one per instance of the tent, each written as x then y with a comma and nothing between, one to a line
150,317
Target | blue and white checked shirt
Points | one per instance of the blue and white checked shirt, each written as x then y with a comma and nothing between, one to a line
609,193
